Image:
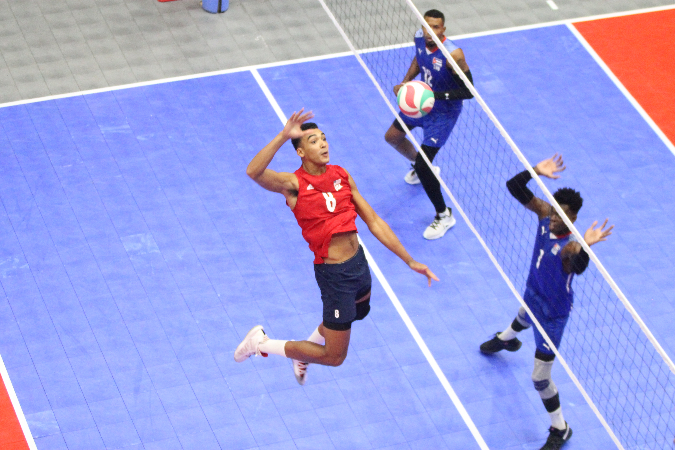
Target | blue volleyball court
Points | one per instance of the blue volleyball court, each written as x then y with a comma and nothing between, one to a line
135,255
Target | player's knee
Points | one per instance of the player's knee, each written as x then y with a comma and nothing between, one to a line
541,385
430,151
541,378
335,359
334,355
421,166
394,136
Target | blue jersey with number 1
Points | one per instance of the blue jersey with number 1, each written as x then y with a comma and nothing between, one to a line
547,277
434,70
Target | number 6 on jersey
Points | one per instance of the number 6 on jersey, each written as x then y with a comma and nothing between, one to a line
330,201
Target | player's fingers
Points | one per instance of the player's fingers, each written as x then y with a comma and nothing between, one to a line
433,275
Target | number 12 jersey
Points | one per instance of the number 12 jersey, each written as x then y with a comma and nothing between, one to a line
434,70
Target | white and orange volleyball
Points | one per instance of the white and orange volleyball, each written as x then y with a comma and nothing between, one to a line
416,99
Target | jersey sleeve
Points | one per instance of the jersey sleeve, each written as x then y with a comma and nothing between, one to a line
451,46
419,34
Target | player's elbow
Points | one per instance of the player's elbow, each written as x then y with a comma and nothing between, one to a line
252,173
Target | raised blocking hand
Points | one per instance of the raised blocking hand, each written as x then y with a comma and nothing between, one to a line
549,167
594,235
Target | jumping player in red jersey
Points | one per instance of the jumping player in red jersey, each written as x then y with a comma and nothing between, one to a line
325,202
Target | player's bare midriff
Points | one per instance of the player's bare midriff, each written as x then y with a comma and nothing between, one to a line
342,247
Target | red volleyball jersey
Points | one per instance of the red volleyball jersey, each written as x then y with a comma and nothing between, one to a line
324,207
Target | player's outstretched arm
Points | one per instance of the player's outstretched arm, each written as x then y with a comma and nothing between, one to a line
384,233
574,257
257,168
413,71
517,185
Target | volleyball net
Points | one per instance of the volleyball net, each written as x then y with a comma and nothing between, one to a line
611,356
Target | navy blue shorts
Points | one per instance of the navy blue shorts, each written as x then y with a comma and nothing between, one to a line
437,126
341,286
554,327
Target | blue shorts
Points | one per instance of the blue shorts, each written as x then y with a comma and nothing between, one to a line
437,126
553,327
341,286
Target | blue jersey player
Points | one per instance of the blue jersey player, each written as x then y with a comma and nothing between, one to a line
557,257
449,91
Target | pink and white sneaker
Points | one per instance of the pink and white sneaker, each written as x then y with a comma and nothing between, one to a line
250,345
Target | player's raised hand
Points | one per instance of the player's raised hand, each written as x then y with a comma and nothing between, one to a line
292,128
550,167
424,270
594,235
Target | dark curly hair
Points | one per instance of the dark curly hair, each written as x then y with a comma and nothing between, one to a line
569,197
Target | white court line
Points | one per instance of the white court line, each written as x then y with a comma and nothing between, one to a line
552,4
397,304
17,407
331,56
622,88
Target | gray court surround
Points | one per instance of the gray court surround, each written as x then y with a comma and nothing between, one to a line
54,47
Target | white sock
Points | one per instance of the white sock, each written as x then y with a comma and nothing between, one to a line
557,419
508,334
316,337
273,347
445,213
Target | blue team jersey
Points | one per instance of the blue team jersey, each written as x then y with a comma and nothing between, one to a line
547,277
434,70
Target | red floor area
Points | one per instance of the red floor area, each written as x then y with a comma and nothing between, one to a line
640,50
11,435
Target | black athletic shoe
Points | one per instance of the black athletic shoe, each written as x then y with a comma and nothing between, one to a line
495,344
557,438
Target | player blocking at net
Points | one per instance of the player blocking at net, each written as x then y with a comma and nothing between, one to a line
325,202
449,92
557,257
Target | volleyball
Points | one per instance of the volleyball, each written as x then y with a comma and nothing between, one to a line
416,99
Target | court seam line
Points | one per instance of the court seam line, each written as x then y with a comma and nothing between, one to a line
17,406
619,85
395,301
330,56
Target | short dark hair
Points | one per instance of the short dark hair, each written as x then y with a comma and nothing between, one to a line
569,197
303,127
436,14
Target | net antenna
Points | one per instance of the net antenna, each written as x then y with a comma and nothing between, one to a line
609,353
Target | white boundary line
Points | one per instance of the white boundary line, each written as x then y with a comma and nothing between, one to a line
331,56
562,22
172,79
622,88
397,304
17,407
